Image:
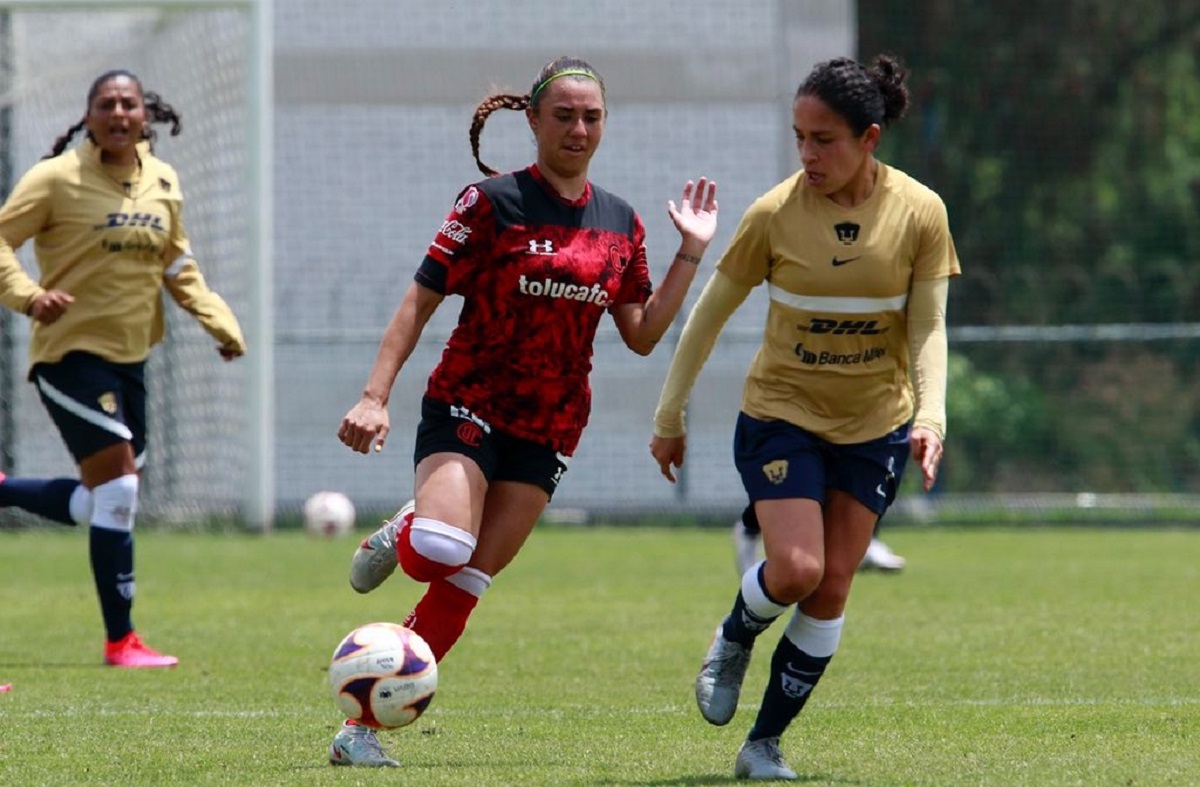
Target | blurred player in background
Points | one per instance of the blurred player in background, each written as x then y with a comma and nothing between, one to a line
747,547
106,220
538,256
857,258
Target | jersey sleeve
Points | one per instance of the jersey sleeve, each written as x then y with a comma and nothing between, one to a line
720,298
936,256
188,288
929,351
183,279
636,285
464,234
23,216
178,244
747,260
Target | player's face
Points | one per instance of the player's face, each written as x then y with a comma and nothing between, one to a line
837,162
568,125
115,119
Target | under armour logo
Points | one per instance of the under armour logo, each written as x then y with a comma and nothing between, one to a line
544,248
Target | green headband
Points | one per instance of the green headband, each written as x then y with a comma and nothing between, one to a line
570,72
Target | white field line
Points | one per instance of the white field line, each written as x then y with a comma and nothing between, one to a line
585,710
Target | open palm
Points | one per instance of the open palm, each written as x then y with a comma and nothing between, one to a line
696,216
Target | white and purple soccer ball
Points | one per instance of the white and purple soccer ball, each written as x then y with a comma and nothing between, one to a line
383,676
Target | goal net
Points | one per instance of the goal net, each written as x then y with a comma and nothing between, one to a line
200,58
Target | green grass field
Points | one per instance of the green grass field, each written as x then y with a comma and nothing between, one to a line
1000,657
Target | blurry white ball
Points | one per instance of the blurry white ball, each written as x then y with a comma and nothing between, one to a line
328,514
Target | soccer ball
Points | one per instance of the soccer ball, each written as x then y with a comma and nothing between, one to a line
383,676
328,514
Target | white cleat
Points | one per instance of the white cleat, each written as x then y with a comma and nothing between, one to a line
747,548
375,559
719,683
760,760
881,558
358,745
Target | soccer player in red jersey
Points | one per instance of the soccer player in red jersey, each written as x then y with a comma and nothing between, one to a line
538,256
106,218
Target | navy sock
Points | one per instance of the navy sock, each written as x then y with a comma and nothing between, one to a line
112,567
794,673
47,497
743,626
750,521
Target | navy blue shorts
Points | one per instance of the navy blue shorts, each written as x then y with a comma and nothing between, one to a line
453,429
778,460
94,403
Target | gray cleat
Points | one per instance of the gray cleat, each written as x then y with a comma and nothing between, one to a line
375,559
357,745
720,680
761,759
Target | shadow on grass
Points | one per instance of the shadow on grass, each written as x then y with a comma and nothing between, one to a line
698,781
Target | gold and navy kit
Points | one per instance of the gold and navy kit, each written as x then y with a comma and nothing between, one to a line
835,353
113,238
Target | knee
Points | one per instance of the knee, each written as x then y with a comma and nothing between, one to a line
114,503
427,549
829,598
793,577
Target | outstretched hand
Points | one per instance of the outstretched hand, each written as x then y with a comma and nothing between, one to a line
696,216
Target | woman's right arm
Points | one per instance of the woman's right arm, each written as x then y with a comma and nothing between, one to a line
720,299
23,216
367,422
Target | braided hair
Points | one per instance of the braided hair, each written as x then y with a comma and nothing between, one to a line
862,95
571,67
157,111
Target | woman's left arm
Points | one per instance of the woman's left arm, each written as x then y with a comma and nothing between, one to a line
183,280
641,325
929,351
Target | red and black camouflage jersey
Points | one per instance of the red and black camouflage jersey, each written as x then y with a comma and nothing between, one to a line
536,273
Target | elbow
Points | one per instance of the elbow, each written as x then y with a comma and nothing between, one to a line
642,346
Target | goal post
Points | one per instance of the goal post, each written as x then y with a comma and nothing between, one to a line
211,454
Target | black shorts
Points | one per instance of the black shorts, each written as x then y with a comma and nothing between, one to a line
446,428
94,403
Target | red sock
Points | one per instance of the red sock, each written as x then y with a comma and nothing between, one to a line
441,616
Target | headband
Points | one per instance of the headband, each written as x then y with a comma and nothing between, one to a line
570,72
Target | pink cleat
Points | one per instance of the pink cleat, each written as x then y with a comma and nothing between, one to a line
130,651
5,687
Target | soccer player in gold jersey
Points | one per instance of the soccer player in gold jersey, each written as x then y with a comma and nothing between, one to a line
106,221
856,257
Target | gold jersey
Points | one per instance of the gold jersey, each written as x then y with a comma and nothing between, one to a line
112,238
835,353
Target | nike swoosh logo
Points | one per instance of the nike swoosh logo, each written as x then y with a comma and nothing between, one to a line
837,262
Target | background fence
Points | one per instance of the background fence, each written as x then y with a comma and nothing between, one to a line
1071,175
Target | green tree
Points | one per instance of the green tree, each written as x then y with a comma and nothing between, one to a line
1064,140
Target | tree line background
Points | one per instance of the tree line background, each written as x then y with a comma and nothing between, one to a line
1065,141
